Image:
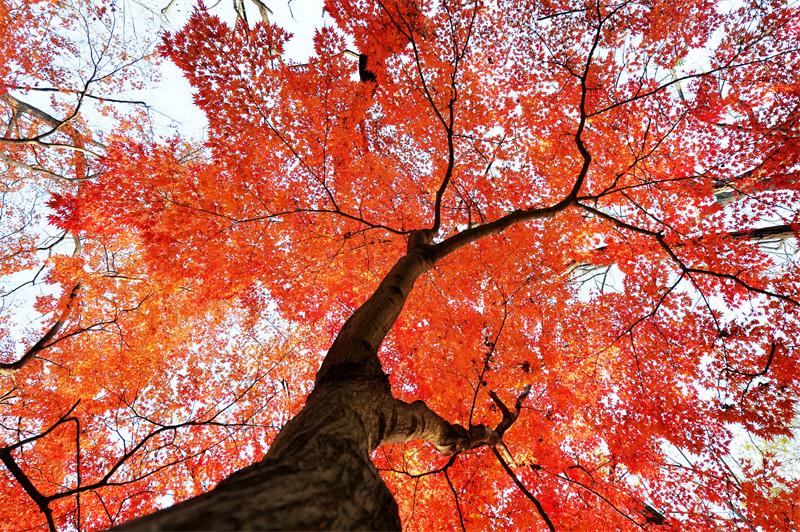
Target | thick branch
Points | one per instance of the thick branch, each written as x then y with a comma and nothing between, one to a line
35,169
474,234
725,192
416,421
773,232
42,501
356,347
659,238
762,235
44,342
19,106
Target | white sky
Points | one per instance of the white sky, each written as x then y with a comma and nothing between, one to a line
172,101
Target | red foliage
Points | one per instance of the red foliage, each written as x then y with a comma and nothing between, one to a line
650,326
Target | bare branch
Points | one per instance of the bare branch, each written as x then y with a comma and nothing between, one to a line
42,501
45,341
523,489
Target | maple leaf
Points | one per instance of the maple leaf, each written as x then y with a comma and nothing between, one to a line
519,265
65,211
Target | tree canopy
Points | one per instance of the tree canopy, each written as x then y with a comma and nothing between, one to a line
605,195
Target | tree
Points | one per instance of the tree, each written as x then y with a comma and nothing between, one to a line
553,242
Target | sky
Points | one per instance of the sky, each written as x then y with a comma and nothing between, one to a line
172,110
171,101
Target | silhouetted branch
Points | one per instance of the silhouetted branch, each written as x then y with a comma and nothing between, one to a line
659,237
42,501
523,489
44,342
455,497
603,498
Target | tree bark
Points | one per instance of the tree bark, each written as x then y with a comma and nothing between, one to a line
318,473
316,476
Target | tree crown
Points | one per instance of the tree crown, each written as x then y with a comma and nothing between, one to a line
595,185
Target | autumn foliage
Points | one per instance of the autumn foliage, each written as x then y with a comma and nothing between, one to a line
613,188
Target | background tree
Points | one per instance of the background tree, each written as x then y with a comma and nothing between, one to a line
581,196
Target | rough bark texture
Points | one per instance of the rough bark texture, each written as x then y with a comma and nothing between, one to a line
318,473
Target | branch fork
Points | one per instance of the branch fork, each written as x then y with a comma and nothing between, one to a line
411,421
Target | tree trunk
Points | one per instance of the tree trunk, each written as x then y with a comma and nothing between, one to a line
318,473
